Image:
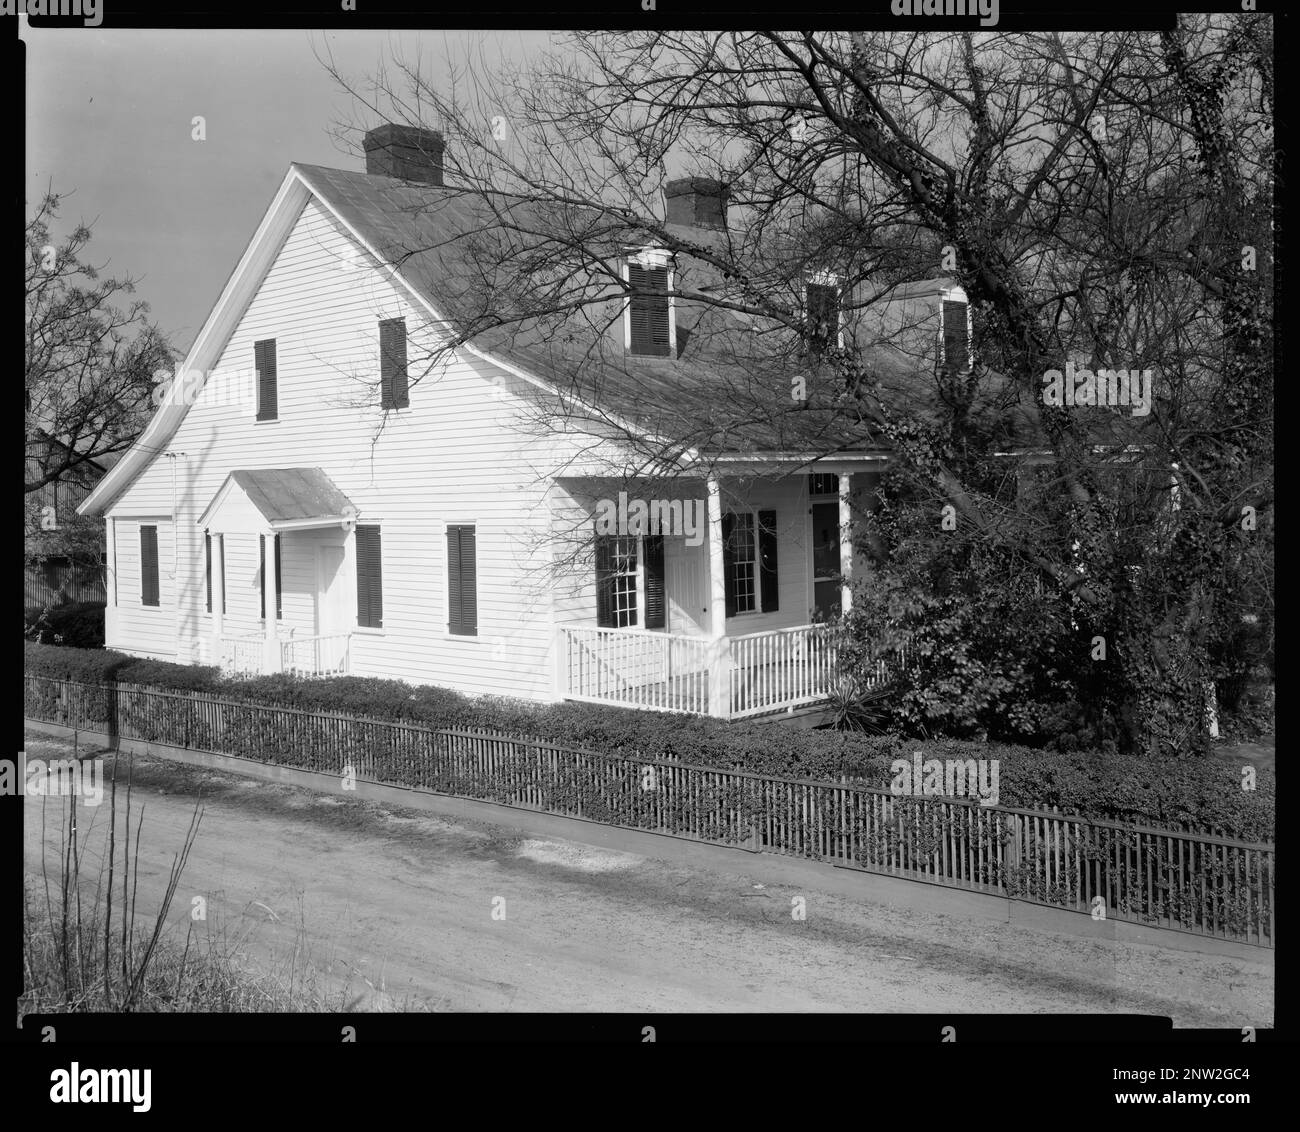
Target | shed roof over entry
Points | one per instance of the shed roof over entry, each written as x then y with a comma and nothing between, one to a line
277,499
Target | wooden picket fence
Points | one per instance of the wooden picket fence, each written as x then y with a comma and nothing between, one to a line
1177,879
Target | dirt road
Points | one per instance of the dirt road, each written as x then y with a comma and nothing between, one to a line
397,907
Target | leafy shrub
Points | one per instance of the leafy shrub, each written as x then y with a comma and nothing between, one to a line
76,625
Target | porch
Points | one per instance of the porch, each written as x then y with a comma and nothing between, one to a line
730,615
279,559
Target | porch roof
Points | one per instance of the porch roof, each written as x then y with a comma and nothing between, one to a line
277,499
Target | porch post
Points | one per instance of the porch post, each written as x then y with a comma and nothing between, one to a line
271,650
846,544
218,591
719,650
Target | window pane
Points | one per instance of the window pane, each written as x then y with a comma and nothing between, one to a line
743,563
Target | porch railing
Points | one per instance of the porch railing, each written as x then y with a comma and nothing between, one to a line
635,668
730,678
325,655
242,656
781,668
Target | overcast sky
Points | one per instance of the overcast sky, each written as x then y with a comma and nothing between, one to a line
110,121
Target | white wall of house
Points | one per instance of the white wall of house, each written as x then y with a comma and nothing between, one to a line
461,453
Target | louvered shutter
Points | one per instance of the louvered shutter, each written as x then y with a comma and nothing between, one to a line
392,364
956,340
649,312
729,562
462,581
268,408
604,584
207,566
655,613
279,600
767,561
823,314
370,583
148,565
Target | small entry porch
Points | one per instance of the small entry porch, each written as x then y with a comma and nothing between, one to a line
297,524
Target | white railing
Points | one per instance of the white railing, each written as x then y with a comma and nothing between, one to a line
782,668
242,656
730,678
635,668
325,655
251,655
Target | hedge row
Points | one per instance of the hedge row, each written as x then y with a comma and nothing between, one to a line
1200,793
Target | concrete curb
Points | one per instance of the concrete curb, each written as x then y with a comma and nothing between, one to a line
769,869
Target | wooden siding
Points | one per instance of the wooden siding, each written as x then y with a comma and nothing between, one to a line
145,629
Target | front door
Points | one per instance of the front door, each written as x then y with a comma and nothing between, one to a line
686,579
332,611
826,560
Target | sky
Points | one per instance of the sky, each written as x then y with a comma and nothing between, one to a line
110,124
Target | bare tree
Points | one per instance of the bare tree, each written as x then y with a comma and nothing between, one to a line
89,365
1104,200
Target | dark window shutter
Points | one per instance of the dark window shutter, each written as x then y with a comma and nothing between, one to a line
767,561
462,581
823,314
392,364
649,312
279,602
956,340
604,584
370,582
261,578
729,562
148,565
207,566
221,565
655,613
267,390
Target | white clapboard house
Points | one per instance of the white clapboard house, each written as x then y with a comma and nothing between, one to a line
312,497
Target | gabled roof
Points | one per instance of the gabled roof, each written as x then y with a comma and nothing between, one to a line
285,497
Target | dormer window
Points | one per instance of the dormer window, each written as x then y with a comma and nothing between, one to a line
822,311
649,320
956,355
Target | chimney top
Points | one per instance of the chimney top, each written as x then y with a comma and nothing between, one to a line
699,202
406,152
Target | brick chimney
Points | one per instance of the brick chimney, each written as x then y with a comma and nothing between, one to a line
405,152
699,202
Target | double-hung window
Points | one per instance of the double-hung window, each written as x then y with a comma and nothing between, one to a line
749,546
630,582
